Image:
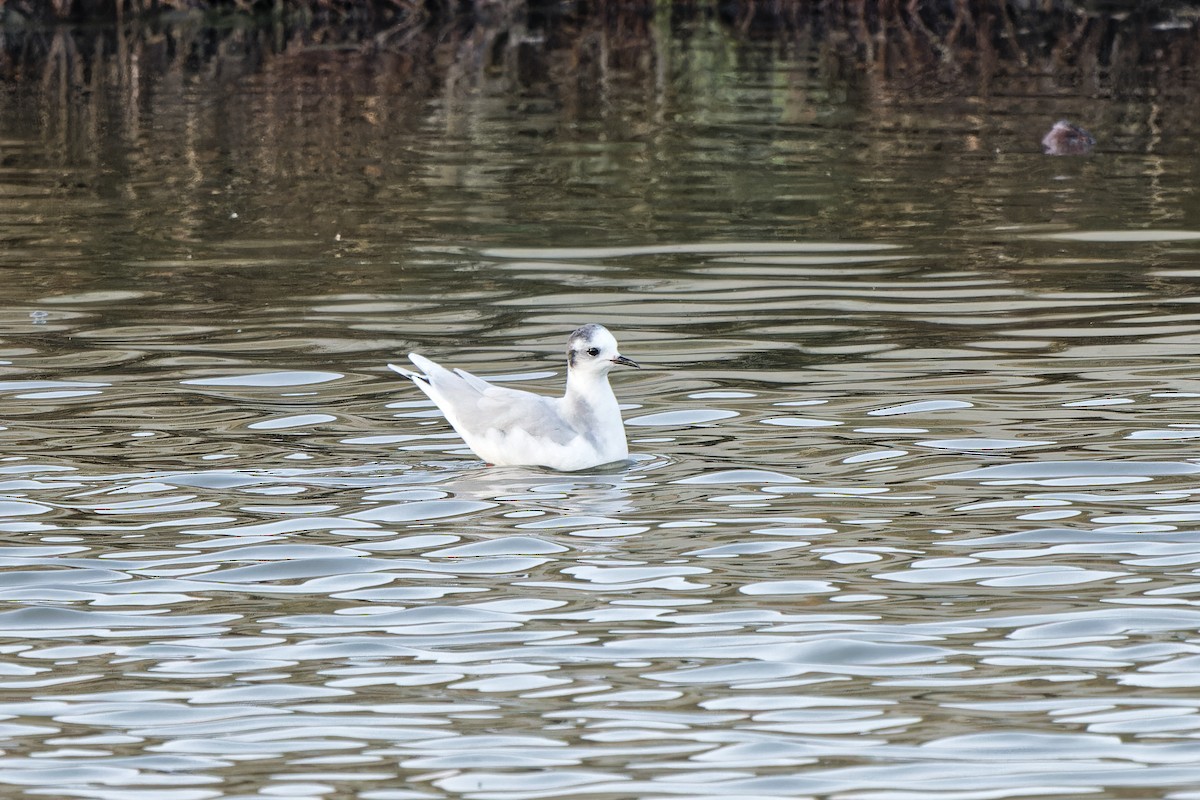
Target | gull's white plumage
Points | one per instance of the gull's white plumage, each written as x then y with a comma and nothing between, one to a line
581,429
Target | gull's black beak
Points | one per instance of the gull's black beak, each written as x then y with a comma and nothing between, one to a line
628,362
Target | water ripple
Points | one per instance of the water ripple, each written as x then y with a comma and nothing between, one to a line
911,510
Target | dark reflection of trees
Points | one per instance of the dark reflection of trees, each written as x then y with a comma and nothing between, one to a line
888,50
940,44
980,37
1070,40
321,104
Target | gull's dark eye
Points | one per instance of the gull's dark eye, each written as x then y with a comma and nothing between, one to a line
593,351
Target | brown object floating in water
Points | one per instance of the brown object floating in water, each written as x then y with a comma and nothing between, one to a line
1066,139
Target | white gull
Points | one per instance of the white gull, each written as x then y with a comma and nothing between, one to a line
579,430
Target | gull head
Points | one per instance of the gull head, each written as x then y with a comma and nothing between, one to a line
593,350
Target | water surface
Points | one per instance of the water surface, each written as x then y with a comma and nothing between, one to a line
912,505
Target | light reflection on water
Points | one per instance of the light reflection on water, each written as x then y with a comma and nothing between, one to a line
909,514
747,610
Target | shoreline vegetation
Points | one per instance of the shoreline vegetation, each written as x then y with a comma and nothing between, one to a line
949,37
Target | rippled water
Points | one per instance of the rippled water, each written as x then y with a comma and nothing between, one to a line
912,506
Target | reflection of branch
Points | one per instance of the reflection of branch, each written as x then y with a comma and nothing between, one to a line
962,18
398,35
914,16
57,77
1010,33
55,64
1069,42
